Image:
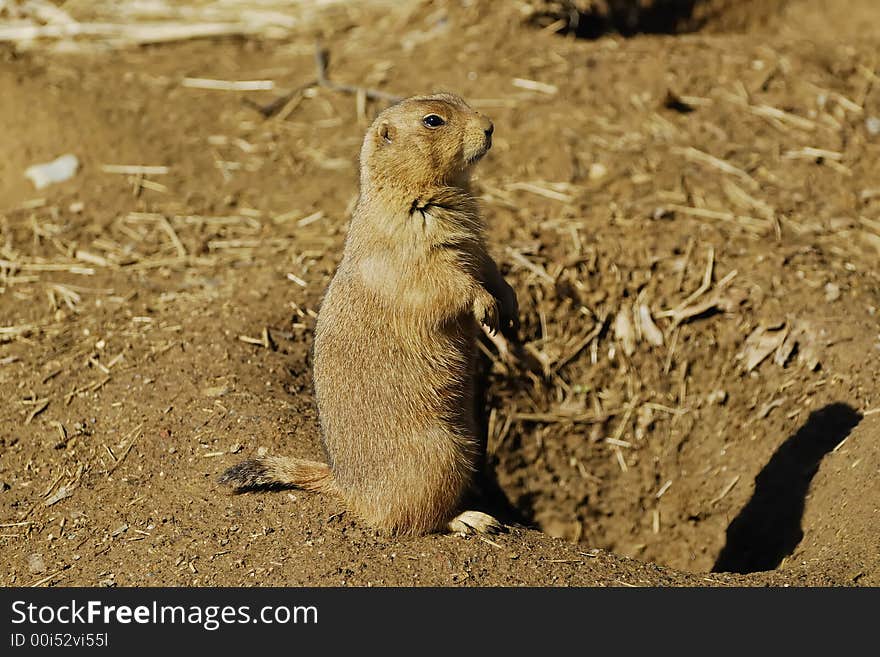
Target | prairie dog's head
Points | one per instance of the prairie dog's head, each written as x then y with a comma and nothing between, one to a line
424,141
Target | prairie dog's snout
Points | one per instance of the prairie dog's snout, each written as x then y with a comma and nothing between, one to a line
487,127
483,129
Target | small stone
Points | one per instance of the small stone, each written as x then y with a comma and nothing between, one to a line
597,171
36,564
832,292
58,170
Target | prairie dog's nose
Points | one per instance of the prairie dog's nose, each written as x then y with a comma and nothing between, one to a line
488,127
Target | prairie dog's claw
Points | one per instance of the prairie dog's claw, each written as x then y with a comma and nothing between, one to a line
486,312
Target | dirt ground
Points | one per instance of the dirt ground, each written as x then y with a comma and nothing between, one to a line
691,222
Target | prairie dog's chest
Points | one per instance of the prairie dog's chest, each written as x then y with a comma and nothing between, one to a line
433,285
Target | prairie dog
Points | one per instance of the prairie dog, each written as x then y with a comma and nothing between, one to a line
395,342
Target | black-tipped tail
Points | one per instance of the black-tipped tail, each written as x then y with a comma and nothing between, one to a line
278,472
247,474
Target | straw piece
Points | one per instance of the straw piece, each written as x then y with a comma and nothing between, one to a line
228,85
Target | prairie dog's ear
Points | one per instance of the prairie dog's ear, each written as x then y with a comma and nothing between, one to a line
387,131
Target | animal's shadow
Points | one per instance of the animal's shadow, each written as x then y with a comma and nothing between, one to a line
768,528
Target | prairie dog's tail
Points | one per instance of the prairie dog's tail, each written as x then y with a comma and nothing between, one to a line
269,471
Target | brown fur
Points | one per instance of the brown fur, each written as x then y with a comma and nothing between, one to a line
396,333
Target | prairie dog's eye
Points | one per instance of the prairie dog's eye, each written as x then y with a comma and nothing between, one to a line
433,121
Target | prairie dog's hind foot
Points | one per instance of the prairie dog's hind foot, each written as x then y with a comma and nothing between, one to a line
474,522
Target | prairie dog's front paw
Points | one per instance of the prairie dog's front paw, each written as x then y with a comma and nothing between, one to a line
486,311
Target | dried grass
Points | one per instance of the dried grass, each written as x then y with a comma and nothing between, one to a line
102,24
